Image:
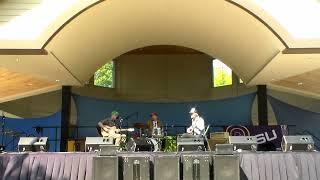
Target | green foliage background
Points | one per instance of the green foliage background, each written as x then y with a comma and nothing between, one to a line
221,77
104,76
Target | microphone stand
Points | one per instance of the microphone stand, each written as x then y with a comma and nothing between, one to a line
126,118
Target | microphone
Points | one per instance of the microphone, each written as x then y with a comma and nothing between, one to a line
120,119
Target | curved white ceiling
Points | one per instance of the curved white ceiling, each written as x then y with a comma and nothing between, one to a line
299,17
114,27
34,27
240,33
32,23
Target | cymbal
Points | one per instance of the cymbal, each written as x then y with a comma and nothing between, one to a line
140,126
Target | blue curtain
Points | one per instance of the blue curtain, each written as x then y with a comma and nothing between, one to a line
236,110
303,121
26,127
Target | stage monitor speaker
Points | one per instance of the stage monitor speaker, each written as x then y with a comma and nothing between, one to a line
136,168
166,166
196,166
41,144
192,143
93,143
244,142
226,167
297,143
108,150
105,168
25,144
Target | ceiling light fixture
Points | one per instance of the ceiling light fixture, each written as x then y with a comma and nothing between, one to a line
57,80
300,83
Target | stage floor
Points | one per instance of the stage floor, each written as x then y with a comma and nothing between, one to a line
78,166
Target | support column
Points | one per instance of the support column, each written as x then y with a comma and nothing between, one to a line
65,116
262,105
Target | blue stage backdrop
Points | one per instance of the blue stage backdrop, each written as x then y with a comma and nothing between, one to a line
305,122
235,110
25,127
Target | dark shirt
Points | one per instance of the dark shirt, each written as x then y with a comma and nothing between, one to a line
108,122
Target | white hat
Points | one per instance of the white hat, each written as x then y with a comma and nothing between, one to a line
193,110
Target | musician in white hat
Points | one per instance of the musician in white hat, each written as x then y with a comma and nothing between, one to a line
197,127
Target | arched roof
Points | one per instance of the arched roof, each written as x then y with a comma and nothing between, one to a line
87,33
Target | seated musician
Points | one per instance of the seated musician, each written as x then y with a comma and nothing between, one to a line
109,127
197,127
154,122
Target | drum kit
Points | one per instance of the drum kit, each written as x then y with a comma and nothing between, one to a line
146,139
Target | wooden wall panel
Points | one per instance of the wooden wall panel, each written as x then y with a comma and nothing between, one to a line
13,83
309,82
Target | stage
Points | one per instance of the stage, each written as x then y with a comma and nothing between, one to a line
79,166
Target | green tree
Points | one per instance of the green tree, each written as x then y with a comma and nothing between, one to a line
221,77
104,76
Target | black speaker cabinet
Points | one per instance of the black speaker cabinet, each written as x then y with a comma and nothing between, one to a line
105,168
166,166
136,168
196,166
226,167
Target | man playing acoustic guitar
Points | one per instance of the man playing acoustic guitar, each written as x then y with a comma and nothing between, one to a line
109,127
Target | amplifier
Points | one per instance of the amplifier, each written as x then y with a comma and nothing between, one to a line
93,143
224,149
219,135
195,143
196,166
226,167
105,168
244,142
136,168
76,145
166,167
25,144
297,143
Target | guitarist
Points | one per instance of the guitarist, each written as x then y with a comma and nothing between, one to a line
111,124
197,127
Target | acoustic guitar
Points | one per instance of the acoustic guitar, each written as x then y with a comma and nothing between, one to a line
113,130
